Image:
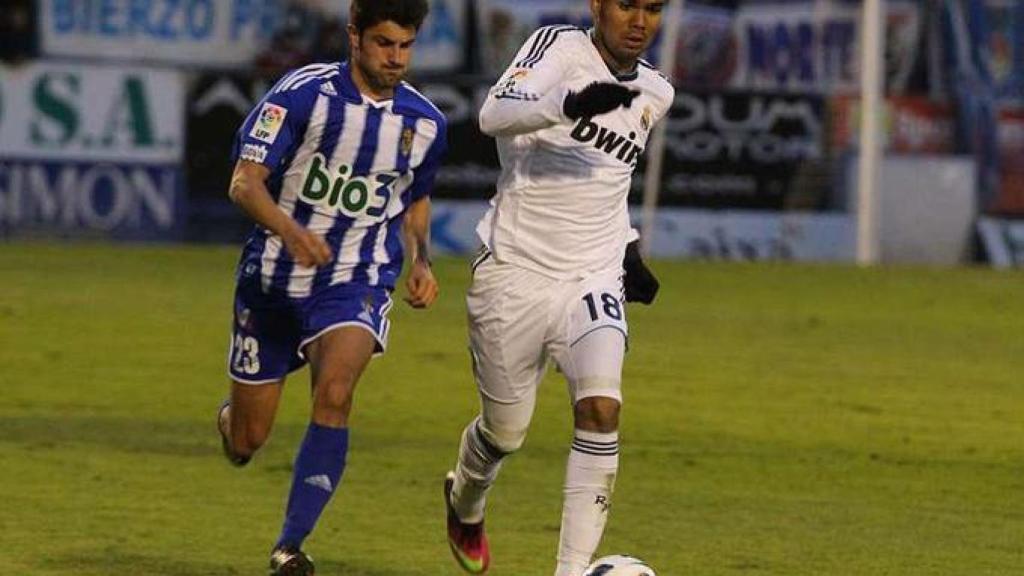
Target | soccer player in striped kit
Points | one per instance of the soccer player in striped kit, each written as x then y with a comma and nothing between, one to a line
335,165
571,116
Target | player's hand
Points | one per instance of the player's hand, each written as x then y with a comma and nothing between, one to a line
421,284
306,248
597,98
641,285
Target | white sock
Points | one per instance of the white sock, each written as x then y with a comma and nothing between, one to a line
476,470
589,481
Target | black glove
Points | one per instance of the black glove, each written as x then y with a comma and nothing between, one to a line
641,286
597,98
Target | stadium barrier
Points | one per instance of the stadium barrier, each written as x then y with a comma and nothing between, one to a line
693,233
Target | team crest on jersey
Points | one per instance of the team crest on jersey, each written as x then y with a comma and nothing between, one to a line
407,135
645,118
508,86
244,316
268,123
367,314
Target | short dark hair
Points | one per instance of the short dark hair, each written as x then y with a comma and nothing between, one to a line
405,13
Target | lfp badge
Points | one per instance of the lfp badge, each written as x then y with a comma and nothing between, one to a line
269,123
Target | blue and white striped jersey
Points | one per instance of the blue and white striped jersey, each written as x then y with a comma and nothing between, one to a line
345,167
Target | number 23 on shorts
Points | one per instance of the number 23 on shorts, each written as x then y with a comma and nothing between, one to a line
245,355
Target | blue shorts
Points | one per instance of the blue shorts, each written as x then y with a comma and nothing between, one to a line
271,330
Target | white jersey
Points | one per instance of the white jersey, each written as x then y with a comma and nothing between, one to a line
561,207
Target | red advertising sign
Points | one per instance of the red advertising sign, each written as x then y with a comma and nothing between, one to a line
1010,200
912,125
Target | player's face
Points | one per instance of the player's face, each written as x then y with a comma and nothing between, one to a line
382,53
626,27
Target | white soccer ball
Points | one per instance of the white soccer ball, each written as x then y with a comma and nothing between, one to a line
619,565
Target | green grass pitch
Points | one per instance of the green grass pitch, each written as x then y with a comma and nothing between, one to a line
779,419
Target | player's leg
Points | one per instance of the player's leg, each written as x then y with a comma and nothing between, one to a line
506,345
246,418
344,327
337,359
265,336
497,432
592,362
590,475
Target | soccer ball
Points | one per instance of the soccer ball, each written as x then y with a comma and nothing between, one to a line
619,565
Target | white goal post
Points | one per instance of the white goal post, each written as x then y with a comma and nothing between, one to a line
672,20
871,109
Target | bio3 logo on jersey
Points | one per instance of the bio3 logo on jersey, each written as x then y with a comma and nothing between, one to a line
607,140
353,196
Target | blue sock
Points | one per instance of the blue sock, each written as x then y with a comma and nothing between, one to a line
318,469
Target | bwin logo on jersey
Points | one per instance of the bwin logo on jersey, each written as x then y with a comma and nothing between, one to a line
353,196
608,141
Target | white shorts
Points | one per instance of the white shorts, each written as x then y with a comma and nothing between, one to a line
518,319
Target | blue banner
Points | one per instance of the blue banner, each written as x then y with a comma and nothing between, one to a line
114,201
185,32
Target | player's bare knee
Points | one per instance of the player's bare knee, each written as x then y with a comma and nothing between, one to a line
332,401
336,399
597,414
246,440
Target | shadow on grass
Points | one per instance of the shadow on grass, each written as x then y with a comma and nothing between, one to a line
335,568
112,561
134,436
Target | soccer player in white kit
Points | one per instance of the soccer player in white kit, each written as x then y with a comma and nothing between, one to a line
571,116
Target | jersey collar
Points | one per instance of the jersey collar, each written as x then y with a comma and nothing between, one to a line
347,87
401,103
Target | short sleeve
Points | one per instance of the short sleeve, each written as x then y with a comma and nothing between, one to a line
273,129
426,172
